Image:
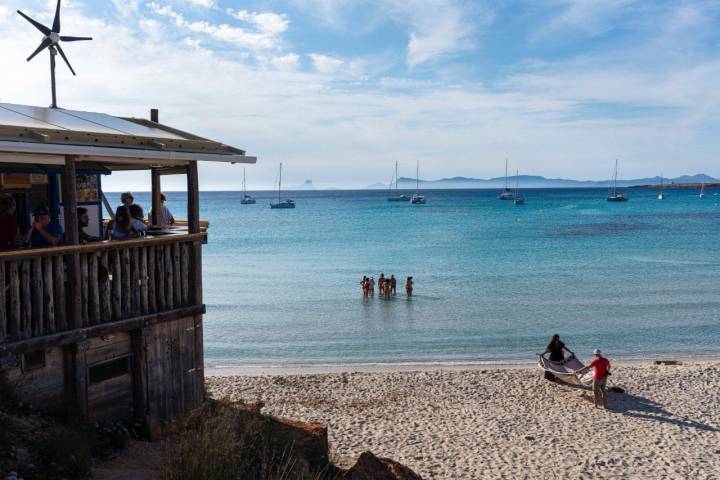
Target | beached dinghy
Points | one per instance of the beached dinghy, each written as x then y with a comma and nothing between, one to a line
565,370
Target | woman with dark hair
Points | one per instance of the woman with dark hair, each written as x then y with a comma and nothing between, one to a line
122,228
138,218
555,349
9,230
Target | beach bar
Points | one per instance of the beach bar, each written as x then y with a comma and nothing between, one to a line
109,329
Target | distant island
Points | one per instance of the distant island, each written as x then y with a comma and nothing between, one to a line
536,181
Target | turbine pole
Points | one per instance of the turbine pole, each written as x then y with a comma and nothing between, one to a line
53,53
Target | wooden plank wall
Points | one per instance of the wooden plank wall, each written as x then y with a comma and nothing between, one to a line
38,296
174,383
42,387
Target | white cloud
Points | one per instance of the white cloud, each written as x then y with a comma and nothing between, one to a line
267,37
438,29
266,23
288,63
325,63
202,3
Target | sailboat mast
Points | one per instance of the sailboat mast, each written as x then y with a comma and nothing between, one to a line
280,182
417,177
615,178
506,167
243,181
396,177
517,182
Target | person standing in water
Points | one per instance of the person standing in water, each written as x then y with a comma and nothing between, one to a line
393,284
381,283
372,286
409,286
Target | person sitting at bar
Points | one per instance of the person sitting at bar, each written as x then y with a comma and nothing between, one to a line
122,227
43,232
9,230
165,218
83,222
127,199
137,218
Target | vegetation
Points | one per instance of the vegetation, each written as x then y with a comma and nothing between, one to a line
225,441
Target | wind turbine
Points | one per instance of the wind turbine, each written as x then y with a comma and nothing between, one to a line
51,41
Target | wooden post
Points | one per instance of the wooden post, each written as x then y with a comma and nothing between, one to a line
140,394
155,212
72,237
193,198
69,198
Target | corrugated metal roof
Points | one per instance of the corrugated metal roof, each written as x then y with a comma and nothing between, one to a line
27,125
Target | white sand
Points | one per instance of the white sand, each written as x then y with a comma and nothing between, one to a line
507,423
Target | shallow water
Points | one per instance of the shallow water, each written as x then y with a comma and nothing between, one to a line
492,280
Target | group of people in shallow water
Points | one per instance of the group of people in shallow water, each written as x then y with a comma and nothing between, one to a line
387,285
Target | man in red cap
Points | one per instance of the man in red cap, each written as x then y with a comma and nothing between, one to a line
602,370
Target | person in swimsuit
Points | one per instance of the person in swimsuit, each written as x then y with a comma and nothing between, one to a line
393,284
409,286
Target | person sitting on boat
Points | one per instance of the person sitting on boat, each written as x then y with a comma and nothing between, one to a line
44,232
555,349
602,370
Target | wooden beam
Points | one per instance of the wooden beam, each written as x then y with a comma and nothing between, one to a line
138,340
31,253
72,237
155,212
193,195
69,199
79,334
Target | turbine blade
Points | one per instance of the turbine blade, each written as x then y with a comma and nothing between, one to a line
45,30
56,22
43,45
74,39
62,54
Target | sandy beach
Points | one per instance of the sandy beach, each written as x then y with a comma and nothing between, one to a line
509,422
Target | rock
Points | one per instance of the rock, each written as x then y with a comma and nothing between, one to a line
529,438
309,443
370,467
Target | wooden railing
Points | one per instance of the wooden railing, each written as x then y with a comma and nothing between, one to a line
50,290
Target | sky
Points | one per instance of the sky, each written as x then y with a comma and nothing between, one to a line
338,90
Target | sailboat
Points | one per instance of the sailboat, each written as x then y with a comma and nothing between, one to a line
398,197
518,200
418,198
246,199
702,190
616,196
661,195
287,203
506,193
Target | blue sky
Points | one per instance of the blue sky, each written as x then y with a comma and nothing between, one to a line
338,90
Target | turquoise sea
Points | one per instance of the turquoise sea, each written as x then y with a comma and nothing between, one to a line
493,280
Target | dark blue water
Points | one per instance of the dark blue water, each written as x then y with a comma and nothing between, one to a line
493,280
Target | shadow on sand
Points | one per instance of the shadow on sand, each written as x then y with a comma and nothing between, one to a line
644,408
640,407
